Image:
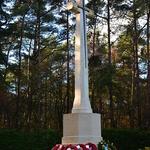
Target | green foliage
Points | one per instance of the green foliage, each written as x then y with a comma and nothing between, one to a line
34,72
19,140
106,144
127,139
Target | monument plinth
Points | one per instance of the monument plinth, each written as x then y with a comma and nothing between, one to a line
81,126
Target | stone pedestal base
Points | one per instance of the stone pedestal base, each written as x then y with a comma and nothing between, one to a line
81,128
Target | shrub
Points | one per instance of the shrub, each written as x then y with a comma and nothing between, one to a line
103,145
37,140
127,139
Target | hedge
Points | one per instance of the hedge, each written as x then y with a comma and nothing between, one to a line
127,139
18,140
124,139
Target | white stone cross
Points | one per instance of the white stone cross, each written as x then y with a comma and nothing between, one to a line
81,126
81,102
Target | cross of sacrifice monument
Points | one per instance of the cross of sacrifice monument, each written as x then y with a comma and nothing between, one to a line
81,126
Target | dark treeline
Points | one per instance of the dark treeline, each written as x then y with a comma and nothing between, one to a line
37,63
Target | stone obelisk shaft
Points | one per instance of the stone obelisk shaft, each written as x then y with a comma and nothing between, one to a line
81,102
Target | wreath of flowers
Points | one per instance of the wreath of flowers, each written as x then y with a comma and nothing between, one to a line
58,147
83,146
75,147
92,146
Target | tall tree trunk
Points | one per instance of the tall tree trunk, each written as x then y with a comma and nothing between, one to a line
110,68
92,68
19,75
36,65
29,89
132,101
137,81
147,120
39,80
148,55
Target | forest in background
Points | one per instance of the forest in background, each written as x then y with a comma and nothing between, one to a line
37,63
